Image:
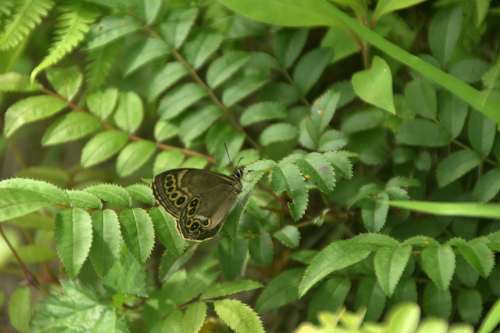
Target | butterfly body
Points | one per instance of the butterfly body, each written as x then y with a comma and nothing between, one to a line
199,200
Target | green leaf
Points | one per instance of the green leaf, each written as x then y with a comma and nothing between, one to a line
465,209
491,320
134,156
452,114
481,131
113,194
288,44
387,6
469,70
165,227
478,255
164,79
73,238
456,165
102,102
281,290
179,99
406,291
107,240
127,275
82,199
376,240
201,47
263,111
129,113
151,10
194,317
138,232
329,296
422,132
148,50
238,316
15,82
420,95
232,254
334,257
487,186
404,318
177,25
310,67
375,214
223,68
198,122
66,81
73,307
318,167
29,110
102,147
241,88
437,302
288,235
46,190
165,130
444,32
35,253
223,289
18,202
111,28
70,127
20,309
167,160
370,296
141,193
296,188
261,249
325,106
390,262
470,305
374,85
278,133
438,262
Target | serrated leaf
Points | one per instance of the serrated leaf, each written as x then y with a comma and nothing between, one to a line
241,88
82,199
167,160
263,111
336,256
456,165
225,67
288,44
51,193
141,193
310,67
20,309
148,50
296,188
487,186
66,81
70,127
129,112
374,85
438,262
169,236
317,167
29,110
340,160
134,156
113,194
179,99
138,232
201,47
281,290
164,79
278,133
177,25
102,147
390,262
422,133
111,28
227,288
194,317
127,275
238,316
375,240
370,296
288,236
107,240
329,296
478,255
102,102
73,235
198,122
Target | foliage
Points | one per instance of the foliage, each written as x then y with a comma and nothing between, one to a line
368,131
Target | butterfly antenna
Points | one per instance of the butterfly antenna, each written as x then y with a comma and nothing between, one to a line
228,156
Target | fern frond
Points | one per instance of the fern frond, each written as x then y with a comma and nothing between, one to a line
28,16
6,8
72,26
99,64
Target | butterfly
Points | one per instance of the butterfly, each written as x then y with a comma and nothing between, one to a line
199,200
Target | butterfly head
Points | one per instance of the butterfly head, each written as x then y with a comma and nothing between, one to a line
238,173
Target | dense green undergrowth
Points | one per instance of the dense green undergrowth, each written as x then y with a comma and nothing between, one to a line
369,135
